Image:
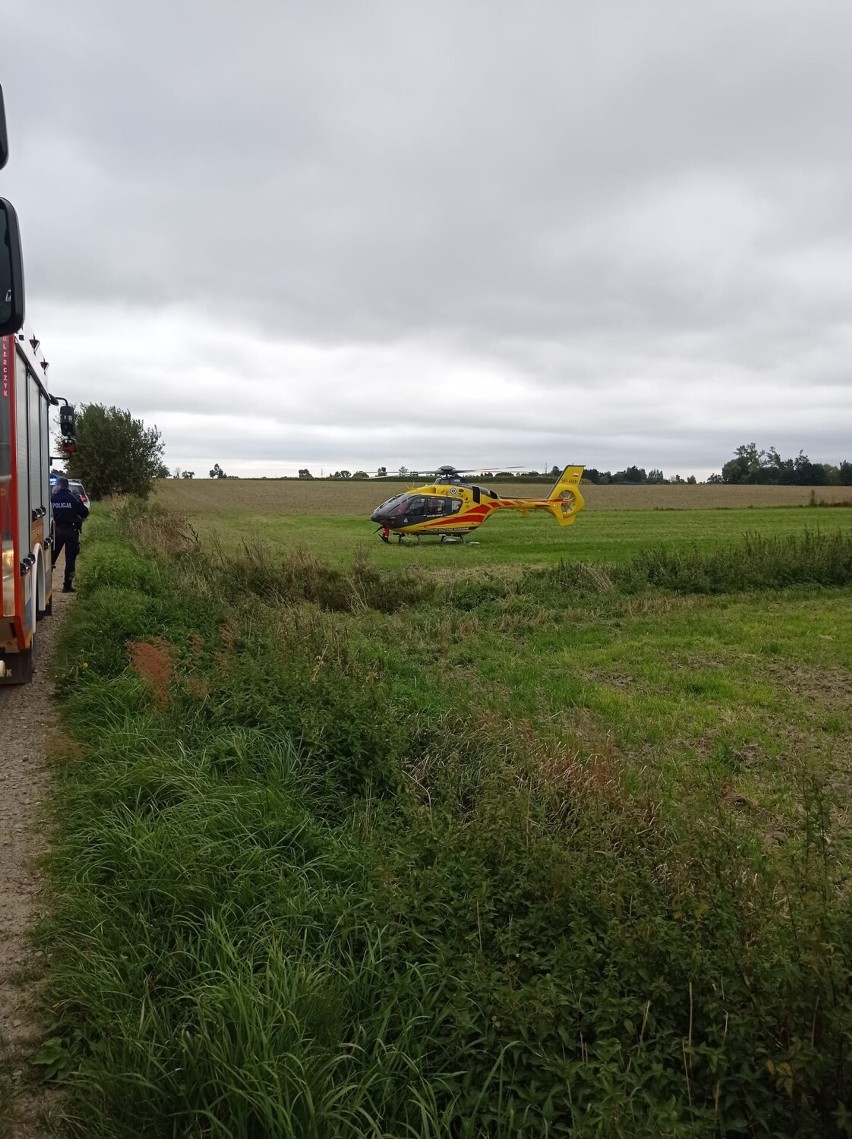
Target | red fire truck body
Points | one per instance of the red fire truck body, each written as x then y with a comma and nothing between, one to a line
26,524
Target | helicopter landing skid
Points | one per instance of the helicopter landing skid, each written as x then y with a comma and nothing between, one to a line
414,539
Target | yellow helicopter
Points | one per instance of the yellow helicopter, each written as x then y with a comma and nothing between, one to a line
451,506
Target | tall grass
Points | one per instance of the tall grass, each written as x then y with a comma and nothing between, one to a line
758,562
296,895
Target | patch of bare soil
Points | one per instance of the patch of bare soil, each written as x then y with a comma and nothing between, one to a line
28,716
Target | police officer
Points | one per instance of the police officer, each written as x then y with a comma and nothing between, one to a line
69,514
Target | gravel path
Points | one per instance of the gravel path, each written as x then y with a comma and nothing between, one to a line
28,716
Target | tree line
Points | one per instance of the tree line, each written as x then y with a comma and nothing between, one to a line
749,465
117,454
591,474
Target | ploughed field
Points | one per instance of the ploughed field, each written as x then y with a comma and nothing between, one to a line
359,497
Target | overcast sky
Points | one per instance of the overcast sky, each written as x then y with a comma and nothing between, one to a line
349,234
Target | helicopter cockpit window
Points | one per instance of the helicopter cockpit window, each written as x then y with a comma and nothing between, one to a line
427,506
416,506
394,506
388,503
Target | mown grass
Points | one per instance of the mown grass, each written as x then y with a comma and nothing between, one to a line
512,541
356,853
331,520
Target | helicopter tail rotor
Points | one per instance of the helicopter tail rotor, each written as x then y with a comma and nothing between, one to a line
565,499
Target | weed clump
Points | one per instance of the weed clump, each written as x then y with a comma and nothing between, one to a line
152,528
301,577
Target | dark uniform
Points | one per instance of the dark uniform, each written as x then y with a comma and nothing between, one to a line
69,514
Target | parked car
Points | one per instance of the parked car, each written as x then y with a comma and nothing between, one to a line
77,488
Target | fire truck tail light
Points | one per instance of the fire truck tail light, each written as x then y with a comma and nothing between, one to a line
8,579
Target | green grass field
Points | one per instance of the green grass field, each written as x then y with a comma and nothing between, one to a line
611,536
320,518
352,848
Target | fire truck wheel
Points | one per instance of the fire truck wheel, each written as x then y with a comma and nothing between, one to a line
20,666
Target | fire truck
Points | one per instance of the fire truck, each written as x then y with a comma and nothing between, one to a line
11,258
25,516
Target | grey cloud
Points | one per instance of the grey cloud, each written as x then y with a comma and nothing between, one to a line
538,198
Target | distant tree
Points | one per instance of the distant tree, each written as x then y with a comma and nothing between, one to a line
188,475
775,470
217,472
178,472
807,473
593,475
691,480
752,466
555,472
342,475
715,478
832,475
382,472
116,454
360,475
745,465
656,476
631,475
403,472
844,470
768,467
304,473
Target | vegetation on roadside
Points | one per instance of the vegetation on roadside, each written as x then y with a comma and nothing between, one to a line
350,852
115,453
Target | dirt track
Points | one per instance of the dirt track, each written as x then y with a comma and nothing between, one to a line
28,715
